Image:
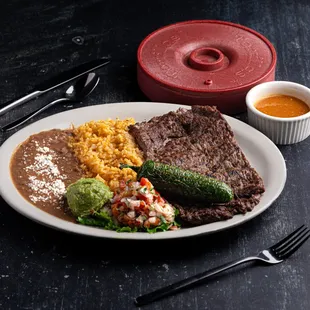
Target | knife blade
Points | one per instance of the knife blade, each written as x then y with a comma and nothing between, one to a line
57,81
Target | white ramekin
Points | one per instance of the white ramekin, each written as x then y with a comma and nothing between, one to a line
280,130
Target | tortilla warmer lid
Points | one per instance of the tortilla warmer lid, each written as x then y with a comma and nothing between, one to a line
205,62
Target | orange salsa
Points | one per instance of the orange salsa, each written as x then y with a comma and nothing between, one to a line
282,106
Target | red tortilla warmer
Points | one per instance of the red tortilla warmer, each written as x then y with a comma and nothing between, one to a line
204,62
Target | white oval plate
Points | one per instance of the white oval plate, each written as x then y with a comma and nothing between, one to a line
263,155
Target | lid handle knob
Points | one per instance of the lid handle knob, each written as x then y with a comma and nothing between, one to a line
206,59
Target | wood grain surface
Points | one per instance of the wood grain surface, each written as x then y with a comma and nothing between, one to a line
45,269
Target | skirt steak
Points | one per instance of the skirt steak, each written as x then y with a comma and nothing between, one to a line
201,140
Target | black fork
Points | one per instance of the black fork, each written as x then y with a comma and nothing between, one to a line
274,255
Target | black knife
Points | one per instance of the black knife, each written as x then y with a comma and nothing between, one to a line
57,81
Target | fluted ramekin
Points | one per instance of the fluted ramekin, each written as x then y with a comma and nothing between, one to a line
280,130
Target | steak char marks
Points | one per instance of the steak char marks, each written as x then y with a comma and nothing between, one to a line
201,140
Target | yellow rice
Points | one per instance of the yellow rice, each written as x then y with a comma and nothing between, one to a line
101,146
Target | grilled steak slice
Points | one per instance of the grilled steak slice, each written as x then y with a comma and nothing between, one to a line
153,135
196,215
201,140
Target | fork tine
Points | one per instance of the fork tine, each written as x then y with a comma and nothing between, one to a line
288,245
286,239
292,240
296,246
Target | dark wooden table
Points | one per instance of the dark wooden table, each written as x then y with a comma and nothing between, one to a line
45,269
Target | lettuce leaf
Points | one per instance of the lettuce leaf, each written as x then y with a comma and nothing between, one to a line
91,221
127,229
104,220
162,227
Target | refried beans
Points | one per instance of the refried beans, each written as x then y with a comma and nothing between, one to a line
42,167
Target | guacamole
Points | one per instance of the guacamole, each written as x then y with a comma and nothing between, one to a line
86,196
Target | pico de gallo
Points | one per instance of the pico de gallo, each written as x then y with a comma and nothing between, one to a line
138,205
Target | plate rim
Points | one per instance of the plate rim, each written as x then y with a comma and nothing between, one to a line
37,215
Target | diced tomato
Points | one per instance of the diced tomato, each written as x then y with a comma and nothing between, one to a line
146,182
132,223
143,181
140,197
160,200
147,224
138,223
115,211
137,208
126,218
142,205
157,221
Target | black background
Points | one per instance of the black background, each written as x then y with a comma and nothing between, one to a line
45,269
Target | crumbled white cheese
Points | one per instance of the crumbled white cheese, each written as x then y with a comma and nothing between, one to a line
45,180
